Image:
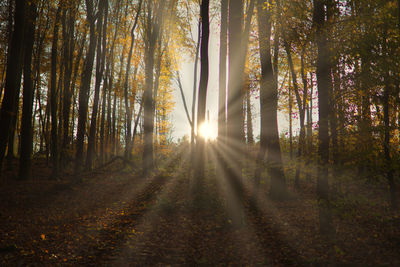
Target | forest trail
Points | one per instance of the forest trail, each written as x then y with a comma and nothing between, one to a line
118,218
123,219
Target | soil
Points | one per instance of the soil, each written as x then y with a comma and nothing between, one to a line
116,217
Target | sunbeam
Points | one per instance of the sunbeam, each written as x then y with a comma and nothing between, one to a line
208,131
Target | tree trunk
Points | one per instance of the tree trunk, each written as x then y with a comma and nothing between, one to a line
85,87
13,77
300,104
222,75
53,96
148,158
235,129
194,98
127,71
323,83
290,118
100,58
269,136
250,138
68,35
201,107
26,126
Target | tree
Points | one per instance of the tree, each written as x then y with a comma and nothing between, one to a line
100,63
222,73
25,162
269,136
68,32
53,93
323,84
13,77
201,107
153,25
85,85
235,131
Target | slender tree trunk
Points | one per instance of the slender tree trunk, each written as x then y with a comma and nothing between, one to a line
127,71
68,35
290,119
324,83
155,93
26,126
386,120
53,96
201,107
302,108
101,15
13,129
85,87
13,77
222,75
310,118
388,158
153,28
250,138
269,137
300,104
235,129
148,158
178,78
194,98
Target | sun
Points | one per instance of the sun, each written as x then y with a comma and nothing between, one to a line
208,131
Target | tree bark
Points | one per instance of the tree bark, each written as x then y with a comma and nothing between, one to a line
269,136
222,74
148,159
126,95
323,83
25,162
13,77
201,106
69,45
53,96
194,98
235,129
153,24
100,58
250,138
85,87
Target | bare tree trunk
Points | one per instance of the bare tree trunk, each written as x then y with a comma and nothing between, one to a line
196,63
68,35
300,104
201,107
250,138
235,129
178,79
53,96
148,159
290,118
100,58
13,77
127,71
153,25
25,162
324,83
222,74
269,137
386,144
85,87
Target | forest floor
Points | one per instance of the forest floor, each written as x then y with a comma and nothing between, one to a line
118,218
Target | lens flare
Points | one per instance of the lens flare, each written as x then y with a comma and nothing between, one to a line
208,131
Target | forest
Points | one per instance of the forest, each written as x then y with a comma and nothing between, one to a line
200,132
